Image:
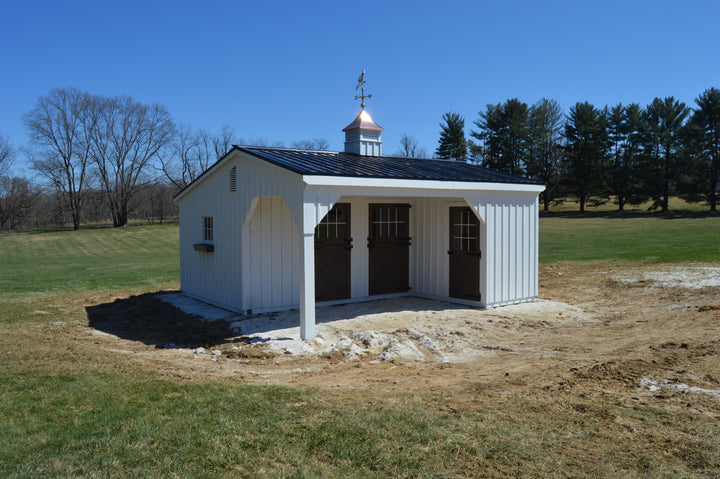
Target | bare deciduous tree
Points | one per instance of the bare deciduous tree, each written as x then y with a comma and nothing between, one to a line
129,135
60,128
16,199
316,144
223,140
192,152
409,148
155,202
6,155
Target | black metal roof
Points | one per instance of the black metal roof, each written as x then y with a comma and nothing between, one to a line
331,163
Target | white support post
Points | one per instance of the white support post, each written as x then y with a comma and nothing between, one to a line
307,286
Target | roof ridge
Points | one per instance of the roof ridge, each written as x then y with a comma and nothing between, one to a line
283,148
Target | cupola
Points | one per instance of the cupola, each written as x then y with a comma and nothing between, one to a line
363,135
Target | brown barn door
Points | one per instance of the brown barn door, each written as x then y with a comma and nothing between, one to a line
464,254
332,255
389,248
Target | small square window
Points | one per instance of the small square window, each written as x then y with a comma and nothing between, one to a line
208,228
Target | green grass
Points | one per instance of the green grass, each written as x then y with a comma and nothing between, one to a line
629,237
71,409
93,259
101,425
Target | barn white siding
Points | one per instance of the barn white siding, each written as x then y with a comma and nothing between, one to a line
509,267
273,257
259,229
430,263
215,277
220,277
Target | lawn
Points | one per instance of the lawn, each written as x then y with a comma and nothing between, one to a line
69,409
599,236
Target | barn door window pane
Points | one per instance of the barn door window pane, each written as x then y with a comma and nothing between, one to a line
465,232
389,221
333,226
208,228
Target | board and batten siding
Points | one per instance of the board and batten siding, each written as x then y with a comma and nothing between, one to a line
509,268
256,263
430,231
220,277
273,257
214,276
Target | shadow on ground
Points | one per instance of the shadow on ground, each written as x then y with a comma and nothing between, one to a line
147,319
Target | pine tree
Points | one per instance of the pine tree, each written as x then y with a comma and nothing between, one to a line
452,143
585,150
490,126
663,142
624,134
703,135
545,139
516,136
504,131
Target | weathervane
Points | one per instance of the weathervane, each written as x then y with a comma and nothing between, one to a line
361,86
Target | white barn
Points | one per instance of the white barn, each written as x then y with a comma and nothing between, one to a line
267,229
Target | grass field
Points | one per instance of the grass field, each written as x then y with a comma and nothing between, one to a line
602,236
69,409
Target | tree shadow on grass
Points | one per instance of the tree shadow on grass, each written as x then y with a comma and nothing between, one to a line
148,319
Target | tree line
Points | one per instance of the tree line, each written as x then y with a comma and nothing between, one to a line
628,152
99,158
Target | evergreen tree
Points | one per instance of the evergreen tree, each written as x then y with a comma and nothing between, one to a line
490,126
703,135
663,142
617,137
452,143
515,139
545,140
585,150
504,130
624,125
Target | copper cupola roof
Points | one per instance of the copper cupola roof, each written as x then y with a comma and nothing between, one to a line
363,121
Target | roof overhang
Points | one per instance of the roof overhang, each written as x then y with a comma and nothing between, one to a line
410,186
386,183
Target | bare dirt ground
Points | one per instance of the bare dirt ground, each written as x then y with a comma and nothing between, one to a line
613,330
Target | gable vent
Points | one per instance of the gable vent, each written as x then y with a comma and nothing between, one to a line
233,179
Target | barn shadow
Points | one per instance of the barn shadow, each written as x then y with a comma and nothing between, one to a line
147,319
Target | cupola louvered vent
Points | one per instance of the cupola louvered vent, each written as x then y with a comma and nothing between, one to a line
233,179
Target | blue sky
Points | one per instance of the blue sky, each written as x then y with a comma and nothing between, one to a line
286,71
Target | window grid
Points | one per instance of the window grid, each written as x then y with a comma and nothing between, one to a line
386,224
332,226
467,236
208,228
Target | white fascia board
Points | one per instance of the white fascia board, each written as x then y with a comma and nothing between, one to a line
382,183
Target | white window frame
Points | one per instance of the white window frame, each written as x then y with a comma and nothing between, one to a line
208,229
